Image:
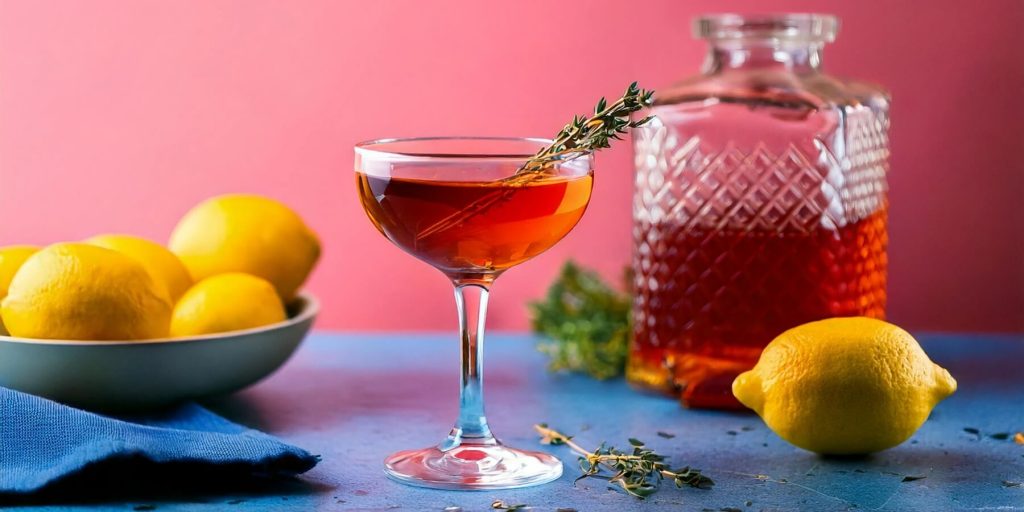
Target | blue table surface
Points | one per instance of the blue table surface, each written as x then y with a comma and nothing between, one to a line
355,398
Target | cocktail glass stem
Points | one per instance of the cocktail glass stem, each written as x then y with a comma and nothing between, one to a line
471,427
471,458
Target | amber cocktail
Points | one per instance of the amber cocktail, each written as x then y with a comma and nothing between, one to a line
461,205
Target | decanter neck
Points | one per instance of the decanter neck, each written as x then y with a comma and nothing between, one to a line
790,42
736,55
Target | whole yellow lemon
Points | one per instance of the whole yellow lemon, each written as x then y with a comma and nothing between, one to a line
247,233
11,258
163,266
227,302
844,386
78,291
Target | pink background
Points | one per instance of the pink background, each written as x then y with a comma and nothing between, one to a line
119,115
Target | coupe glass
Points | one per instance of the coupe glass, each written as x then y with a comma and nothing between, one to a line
458,204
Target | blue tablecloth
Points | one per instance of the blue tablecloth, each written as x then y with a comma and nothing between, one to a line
43,442
355,398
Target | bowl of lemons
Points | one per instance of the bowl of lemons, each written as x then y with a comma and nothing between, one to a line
119,322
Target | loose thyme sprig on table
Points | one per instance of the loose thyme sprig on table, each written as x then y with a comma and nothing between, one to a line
639,473
585,134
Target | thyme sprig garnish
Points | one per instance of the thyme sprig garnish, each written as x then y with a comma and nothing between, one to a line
585,134
581,136
639,472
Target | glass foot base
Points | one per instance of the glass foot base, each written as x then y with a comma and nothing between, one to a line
472,467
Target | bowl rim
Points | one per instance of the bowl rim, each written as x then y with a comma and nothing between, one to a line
310,308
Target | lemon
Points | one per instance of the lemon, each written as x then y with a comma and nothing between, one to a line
11,258
844,386
79,291
163,266
227,302
247,233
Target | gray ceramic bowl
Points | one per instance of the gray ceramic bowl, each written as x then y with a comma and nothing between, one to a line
131,375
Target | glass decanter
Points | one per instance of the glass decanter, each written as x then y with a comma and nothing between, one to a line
760,204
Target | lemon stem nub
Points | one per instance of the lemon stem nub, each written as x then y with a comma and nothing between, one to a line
945,384
747,389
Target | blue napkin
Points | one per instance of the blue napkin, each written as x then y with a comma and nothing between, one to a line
42,442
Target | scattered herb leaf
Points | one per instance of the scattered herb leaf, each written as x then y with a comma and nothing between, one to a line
731,432
1000,436
748,503
584,134
746,428
585,324
973,431
1007,483
638,472
911,478
145,506
501,505
731,509
666,435
565,510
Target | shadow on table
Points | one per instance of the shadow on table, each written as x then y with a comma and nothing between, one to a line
137,480
239,409
865,482
330,397
907,458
